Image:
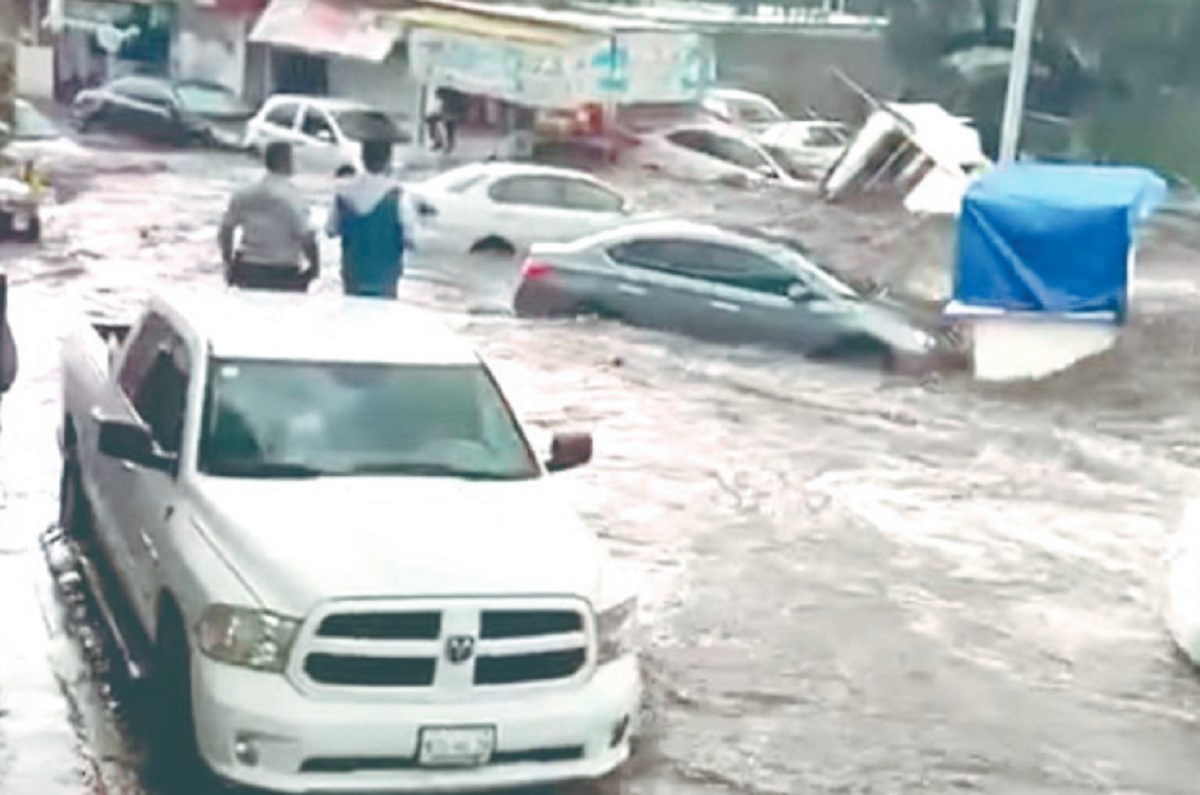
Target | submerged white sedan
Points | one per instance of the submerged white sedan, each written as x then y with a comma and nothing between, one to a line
503,208
1182,608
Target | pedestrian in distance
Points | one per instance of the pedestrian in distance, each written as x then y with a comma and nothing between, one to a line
367,214
8,348
277,236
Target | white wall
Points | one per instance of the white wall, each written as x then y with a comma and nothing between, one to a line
210,46
387,85
35,72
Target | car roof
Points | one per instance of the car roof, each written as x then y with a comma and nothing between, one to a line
728,130
737,93
297,327
496,169
660,227
328,103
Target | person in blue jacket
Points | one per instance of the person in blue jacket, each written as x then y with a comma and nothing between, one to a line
367,215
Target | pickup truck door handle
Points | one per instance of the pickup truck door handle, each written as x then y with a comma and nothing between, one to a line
725,306
631,289
148,543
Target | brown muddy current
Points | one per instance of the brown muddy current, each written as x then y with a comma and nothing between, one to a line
852,583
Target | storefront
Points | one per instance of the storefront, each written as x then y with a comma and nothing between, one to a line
328,47
558,60
96,40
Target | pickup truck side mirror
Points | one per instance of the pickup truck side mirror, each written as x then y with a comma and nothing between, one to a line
569,450
128,441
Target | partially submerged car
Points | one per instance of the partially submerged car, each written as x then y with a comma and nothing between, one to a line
732,285
326,133
742,108
808,147
500,207
319,530
37,138
715,153
164,110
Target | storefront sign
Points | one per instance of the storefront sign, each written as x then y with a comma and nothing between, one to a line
625,68
644,67
539,76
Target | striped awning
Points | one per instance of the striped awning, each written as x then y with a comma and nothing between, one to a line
327,27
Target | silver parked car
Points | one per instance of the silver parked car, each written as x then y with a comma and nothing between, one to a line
729,284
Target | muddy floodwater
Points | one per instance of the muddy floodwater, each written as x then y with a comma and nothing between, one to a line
851,583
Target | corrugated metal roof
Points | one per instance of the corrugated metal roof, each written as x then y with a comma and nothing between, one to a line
535,32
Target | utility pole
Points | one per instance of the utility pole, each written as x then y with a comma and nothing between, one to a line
1018,79
10,37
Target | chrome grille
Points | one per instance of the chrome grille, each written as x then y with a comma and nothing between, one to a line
403,646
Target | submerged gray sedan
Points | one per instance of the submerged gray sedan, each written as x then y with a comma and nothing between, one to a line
732,285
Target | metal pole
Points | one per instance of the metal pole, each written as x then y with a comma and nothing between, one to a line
1018,78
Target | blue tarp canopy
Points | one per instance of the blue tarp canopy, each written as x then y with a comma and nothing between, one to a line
1052,238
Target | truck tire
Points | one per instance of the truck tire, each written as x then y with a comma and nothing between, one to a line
175,755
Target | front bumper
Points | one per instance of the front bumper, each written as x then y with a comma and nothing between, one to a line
541,738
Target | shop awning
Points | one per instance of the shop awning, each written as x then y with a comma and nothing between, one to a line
326,27
497,27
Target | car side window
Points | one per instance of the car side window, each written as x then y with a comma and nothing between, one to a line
710,262
688,139
738,267
755,112
283,115
736,152
142,347
160,398
316,125
536,191
578,194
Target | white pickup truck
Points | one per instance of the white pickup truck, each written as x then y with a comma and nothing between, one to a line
316,527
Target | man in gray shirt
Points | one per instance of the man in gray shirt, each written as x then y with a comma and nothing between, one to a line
276,233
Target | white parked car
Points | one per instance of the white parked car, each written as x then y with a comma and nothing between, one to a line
506,207
1182,609
326,133
715,153
742,108
337,555
34,137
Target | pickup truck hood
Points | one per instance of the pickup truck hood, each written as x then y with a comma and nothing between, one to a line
300,542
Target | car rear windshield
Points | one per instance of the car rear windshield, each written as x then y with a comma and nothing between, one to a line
368,125
298,419
210,100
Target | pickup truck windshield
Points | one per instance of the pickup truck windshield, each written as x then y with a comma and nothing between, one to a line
315,419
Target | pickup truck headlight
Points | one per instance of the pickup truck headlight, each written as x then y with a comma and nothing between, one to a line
246,637
615,631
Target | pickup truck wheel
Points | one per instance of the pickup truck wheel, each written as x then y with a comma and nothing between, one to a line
174,753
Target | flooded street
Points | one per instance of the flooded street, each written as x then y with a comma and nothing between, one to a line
852,583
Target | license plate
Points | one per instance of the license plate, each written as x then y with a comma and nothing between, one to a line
466,746
20,222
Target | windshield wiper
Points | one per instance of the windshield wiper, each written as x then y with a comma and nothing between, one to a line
240,468
433,470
